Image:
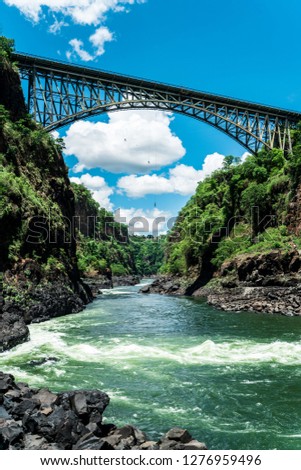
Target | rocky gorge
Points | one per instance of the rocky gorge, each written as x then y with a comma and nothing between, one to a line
39,277
58,248
56,277
47,276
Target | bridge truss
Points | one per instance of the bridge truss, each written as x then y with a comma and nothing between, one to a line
59,94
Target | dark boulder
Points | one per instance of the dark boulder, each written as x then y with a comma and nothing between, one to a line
39,419
10,433
79,404
35,442
168,285
25,406
6,382
90,441
145,290
178,434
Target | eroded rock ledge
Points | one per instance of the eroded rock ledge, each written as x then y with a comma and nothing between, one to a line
269,282
266,282
42,302
37,419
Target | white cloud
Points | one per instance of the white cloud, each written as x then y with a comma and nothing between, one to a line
100,190
211,163
81,12
139,186
30,8
77,48
99,38
182,179
131,142
144,222
85,12
57,26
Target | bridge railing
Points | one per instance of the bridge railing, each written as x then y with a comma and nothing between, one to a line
142,81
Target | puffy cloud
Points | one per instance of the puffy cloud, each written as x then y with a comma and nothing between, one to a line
153,221
82,12
144,222
99,38
31,9
131,142
85,12
99,188
77,48
182,179
211,163
139,186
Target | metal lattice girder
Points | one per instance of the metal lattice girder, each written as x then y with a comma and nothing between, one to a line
60,93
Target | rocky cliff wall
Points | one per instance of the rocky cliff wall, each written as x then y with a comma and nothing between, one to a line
38,266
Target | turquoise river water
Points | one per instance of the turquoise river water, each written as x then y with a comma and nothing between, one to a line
233,379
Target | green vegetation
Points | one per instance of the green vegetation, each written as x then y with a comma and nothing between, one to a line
7,46
37,200
28,164
103,256
242,208
35,196
148,253
104,246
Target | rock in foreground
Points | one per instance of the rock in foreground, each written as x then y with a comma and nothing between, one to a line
37,419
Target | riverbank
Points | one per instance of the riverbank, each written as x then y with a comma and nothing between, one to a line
46,300
43,300
265,283
37,419
237,298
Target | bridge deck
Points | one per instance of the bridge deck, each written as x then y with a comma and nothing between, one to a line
29,61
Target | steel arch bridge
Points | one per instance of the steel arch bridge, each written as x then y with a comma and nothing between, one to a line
59,93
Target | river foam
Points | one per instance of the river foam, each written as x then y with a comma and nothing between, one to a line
120,350
232,379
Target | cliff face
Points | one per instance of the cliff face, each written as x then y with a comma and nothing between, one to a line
11,96
39,276
267,282
237,241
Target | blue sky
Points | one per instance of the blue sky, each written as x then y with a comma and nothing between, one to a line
248,50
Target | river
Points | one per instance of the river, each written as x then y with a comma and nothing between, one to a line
233,379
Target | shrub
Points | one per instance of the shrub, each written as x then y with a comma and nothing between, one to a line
118,269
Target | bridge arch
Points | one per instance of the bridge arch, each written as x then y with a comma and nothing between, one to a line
236,131
60,93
